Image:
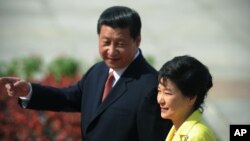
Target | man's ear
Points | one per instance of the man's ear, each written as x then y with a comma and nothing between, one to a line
138,40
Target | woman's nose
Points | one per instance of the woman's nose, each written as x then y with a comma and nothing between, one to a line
160,99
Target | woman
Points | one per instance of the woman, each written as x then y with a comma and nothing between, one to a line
183,86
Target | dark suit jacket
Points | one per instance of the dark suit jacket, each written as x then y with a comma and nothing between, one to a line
129,113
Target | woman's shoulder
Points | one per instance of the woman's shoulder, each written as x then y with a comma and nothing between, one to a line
201,131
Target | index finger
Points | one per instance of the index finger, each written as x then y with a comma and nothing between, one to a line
5,80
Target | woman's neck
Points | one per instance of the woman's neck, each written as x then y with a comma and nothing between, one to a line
179,120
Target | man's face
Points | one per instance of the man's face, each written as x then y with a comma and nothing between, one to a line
116,47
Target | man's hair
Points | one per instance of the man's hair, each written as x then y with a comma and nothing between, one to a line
121,17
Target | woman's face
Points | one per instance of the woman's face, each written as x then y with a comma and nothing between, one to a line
174,105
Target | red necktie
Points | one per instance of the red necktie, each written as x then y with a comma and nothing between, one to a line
108,85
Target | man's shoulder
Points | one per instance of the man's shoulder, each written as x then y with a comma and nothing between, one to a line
97,69
140,63
97,66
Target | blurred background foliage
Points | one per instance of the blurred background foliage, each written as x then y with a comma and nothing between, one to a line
25,67
63,66
33,67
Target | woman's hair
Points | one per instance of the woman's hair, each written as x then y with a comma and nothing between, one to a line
121,17
190,76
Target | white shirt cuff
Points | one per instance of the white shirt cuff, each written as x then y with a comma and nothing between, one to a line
28,96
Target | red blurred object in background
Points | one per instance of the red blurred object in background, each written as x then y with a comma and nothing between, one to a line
17,124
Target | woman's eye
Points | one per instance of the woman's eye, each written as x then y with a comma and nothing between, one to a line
167,93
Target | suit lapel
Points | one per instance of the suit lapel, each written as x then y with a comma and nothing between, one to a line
95,95
118,90
100,87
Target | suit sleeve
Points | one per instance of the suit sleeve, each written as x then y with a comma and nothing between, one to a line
54,99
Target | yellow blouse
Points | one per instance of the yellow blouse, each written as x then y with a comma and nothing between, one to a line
193,129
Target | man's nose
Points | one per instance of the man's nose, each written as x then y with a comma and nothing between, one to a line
112,49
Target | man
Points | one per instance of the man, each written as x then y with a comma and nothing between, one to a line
130,111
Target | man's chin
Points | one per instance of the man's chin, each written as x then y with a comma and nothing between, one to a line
114,67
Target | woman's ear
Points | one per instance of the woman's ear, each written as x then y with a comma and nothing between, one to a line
192,100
